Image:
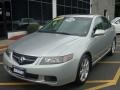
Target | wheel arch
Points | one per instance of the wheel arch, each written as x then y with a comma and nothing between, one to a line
88,54
90,57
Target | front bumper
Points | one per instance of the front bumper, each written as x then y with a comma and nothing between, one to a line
54,75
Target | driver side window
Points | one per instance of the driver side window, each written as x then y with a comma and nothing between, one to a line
98,24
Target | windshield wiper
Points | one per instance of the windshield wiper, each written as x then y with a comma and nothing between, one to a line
58,32
63,33
46,31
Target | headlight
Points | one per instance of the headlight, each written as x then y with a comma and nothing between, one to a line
8,52
56,60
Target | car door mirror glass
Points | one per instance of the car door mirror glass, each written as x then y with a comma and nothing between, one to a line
99,32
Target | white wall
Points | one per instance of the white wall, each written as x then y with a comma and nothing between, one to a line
54,8
98,7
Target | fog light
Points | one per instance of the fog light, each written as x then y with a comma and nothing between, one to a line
50,78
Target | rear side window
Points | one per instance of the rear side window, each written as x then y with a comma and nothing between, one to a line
106,24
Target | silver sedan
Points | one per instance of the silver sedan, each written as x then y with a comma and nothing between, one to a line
116,23
63,51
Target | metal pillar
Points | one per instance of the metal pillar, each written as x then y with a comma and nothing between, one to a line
54,8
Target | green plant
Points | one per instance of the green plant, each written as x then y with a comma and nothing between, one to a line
32,28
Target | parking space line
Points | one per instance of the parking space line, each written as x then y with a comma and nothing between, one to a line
114,82
117,76
15,84
99,81
27,83
101,86
110,62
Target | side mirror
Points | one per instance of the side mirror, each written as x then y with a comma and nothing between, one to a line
40,27
99,32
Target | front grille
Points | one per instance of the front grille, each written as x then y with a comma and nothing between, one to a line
26,75
23,59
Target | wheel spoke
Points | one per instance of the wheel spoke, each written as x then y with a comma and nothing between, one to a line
113,47
84,69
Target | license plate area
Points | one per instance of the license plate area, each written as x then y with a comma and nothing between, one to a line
19,71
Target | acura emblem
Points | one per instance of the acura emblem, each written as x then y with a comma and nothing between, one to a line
22,59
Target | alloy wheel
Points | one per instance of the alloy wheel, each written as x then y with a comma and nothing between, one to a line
84,70
113,47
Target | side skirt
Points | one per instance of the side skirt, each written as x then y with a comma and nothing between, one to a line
93,63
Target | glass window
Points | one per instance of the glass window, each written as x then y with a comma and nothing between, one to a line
98,23
7,10
60,10
80,4
81,11
1,11
74,10
48,1
68,10
106,23
68,2
68,25
60,2
74,3
19,9
88,6
35,10
84,5
46,11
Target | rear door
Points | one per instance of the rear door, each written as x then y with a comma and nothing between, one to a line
98,43
109,33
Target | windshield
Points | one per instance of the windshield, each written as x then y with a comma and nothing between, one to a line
114,20
68,25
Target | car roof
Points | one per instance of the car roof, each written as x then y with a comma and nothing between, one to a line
86,16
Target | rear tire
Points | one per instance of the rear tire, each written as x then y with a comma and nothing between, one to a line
113,47
83,70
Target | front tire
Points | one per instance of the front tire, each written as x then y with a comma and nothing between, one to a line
83,70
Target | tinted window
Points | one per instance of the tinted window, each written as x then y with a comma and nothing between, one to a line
106,23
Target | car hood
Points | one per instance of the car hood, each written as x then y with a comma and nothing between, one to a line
39,44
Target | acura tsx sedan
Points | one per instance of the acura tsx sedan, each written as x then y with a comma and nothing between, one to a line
62,51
